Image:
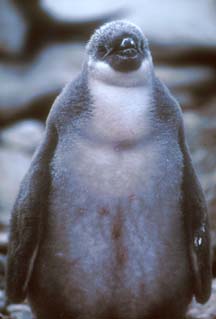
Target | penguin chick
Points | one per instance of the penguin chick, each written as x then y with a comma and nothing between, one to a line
111,221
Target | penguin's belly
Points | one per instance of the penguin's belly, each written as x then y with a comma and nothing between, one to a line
115,240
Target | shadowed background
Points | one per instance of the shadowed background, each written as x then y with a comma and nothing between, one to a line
42,47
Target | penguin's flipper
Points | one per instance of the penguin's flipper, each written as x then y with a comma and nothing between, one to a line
27,221
196,219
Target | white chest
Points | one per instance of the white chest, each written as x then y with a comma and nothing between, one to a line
119,113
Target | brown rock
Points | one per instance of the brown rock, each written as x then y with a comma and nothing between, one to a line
28,90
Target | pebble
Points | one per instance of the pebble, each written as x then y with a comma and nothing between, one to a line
19,311
14,165
206,311
3,242
13,28
24,135
2,264
2,300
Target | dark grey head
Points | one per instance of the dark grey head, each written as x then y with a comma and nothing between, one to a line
118,54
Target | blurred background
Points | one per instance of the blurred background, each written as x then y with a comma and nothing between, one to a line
41,48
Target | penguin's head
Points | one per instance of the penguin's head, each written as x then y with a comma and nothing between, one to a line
118,47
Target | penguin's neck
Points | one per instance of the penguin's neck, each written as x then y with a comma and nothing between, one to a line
119,114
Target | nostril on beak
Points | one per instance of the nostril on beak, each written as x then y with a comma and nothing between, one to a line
127,43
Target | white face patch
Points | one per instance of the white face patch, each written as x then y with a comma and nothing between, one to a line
102,71
120,111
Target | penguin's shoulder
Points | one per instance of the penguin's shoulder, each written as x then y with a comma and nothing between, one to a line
167,108
72,101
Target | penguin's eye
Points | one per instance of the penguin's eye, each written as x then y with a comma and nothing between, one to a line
102,51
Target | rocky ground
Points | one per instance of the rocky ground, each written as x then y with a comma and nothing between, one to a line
42,47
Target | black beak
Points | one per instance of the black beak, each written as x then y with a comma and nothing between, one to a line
127,48
125,54
127,43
